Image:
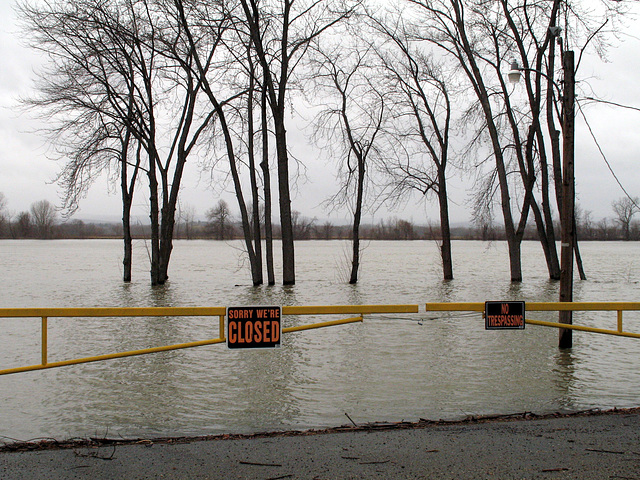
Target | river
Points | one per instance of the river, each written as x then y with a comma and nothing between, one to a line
389,368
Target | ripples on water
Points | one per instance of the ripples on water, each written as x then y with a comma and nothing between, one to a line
390,368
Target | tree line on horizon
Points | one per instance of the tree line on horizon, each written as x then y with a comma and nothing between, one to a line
42,222
405,95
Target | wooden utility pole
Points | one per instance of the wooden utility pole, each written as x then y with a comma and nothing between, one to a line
568,197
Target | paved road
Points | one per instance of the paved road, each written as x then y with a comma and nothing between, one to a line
605,446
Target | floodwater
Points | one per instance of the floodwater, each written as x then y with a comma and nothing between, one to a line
389,368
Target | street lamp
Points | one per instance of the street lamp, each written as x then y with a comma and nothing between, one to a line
515,72
567,207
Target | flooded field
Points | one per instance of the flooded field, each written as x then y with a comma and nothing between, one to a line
389,368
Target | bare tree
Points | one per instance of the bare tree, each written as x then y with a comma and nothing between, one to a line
326,230
217,63
87,99
219,217
463,33
625,209
422,121
22,226
280,34
186,220
584,223
485,38
604,229
43,217
302,226
135,69
404,230
351,121
4,217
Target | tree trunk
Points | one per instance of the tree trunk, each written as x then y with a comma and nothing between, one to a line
544,220
515,260
166,241
513,240
357,217
256,265
170,203
126,236
445,230
155,224
246,224
266,174
548,244
126,190
576,250
286,225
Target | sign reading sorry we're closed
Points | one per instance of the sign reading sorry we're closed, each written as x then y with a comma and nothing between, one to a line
504,315
253,327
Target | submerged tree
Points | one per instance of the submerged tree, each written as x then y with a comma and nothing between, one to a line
421,101
460,34
216,64
280,34
87,102
125,69
351,121
486,38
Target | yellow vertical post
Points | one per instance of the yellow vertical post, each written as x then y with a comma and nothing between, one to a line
44,340
222,337
620,320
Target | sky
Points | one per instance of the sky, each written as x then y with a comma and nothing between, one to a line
27,175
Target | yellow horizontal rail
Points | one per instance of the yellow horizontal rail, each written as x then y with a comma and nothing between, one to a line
197,311
348,309
582,328
618,307
538,306
333,323
45,314
111,356
113,312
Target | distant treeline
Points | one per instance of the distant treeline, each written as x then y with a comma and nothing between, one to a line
304,229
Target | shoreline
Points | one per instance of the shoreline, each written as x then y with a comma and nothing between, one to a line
42,444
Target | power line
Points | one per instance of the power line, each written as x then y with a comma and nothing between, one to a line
604,157
597,100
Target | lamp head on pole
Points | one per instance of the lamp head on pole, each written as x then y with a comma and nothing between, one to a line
515,73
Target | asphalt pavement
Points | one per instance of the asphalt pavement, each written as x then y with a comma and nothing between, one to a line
583,446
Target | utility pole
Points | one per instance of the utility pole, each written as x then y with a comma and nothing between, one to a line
568,197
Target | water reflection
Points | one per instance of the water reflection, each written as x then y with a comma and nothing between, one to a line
446,291
514,291
566,378
549,291
162,296
354,296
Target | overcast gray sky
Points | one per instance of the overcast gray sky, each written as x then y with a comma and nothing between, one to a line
26,173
